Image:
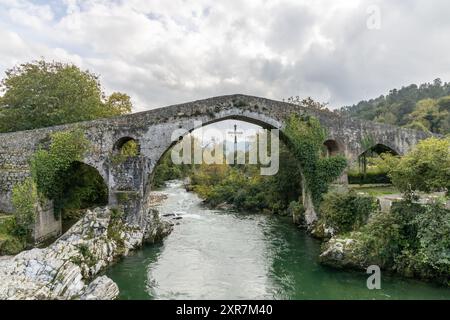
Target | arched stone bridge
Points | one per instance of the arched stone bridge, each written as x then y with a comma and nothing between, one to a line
129,183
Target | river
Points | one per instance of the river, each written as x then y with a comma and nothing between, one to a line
226,255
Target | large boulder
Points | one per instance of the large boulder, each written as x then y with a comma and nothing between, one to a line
342,253
67,269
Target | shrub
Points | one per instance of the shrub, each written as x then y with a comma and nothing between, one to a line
413,239
425,168
296,211
368,178
25,199
346,211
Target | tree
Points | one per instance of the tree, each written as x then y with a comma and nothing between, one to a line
425,168
40,94
428,104
429,114
119,103
307,102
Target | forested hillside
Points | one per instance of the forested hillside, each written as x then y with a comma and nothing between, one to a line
424,107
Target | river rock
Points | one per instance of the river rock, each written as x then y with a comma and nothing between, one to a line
67,268
157,228
342,253
102,288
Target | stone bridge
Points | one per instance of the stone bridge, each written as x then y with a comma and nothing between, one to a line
129,183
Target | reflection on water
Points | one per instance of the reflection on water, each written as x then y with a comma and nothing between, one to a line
225,255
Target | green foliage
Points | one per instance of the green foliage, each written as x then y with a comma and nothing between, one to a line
425,107
307,103
83,187
433,232
40,94
245,189
115,229
425,168
25,200
413,239
10,243
373,175
48,168
166,170
86,255
346,211
129,149
305,139
61,177
296,211
381,239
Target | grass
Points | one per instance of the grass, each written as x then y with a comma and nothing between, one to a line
375,190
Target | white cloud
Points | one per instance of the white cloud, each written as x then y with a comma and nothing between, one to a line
164,52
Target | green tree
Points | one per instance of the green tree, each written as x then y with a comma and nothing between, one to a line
425,168
41,94
425,107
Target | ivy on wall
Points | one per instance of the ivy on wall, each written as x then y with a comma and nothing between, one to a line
305,138
48,166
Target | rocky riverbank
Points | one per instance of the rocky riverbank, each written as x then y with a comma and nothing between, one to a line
69,268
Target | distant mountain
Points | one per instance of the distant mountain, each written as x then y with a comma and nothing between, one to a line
424,107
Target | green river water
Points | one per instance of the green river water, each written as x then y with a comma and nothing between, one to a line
225,255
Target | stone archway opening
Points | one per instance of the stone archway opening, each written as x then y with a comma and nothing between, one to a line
367,172
235,183
331,148
82,188
127,146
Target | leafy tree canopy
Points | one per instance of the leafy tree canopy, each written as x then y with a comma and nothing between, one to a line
425,168
41,94
425,107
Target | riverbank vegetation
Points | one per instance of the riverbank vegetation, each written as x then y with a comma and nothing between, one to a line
413,238
240,187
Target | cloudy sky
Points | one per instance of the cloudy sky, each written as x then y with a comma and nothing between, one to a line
171,51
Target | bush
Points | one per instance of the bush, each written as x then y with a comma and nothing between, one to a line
346,211
381,239
25,200
413,239
368,178
425,168
296,211
11,245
